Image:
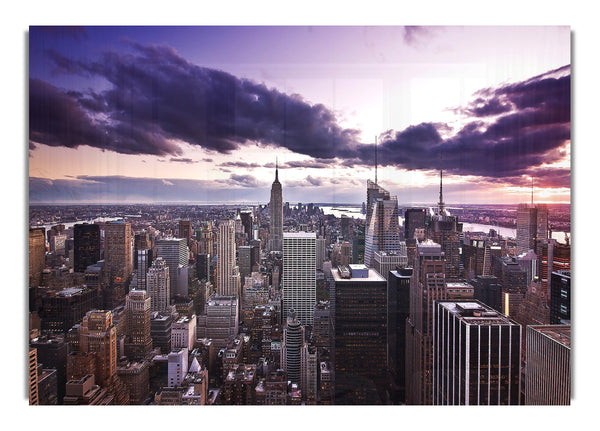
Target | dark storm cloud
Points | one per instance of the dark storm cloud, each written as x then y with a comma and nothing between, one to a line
314,163
156,96
526,126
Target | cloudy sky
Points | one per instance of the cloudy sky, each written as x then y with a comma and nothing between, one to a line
201,114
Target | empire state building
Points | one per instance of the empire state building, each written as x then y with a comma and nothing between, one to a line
276,208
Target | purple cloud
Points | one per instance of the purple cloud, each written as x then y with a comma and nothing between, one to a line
156,96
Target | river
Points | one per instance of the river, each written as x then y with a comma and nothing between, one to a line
355,211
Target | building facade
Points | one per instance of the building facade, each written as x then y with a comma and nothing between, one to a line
299,275
476,355
548,365
360,325
86,246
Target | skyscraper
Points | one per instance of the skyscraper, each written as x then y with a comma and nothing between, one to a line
276,208
174,253
206,238
138,342
299,275
560,298
144,261
37,255
185,231
34,399
398,300
532,225
428,284
117,251
383,230
476,355
98,334
158,286
86,246
384,262
414,218
360,324
228,277
374,192
548,365
293,341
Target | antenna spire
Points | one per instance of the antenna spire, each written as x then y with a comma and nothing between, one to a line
276,169
441,202
375,159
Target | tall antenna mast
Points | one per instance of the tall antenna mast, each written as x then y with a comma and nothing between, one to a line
375,159
441,203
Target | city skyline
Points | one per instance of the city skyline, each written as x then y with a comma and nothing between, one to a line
200,114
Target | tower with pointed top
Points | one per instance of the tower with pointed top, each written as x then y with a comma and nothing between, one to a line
441,206
444,229
532,224
276,208
382,229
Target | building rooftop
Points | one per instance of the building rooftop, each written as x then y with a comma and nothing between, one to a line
299,235
476,313
372,276
558,333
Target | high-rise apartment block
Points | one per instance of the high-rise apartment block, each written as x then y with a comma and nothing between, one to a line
476,355
299,275
86,246
548,365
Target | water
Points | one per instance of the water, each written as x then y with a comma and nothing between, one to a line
348,210
506,232
71,224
